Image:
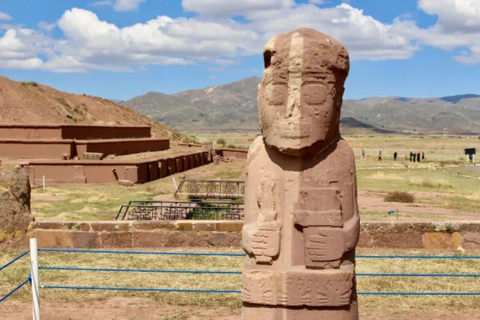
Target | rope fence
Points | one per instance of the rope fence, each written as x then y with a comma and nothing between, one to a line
33,276
235,272
21,284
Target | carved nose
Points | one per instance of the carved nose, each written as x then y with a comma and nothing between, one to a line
293,109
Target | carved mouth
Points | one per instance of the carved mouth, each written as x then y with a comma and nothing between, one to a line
297,130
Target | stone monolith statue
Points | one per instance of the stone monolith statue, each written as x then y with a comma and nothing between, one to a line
301,213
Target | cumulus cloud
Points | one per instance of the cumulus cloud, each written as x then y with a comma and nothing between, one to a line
364,37
458,25
119,5
234,7
212,36
19,49
127,5
5,16
46,26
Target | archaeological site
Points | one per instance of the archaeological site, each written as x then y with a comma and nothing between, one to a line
253,160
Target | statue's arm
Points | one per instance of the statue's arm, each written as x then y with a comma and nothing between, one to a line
350,213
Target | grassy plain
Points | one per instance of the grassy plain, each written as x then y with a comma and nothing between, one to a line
453,185
19,271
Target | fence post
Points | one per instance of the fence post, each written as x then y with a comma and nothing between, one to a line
34,278
43,182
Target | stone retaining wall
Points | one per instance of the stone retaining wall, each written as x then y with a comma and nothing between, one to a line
72,131
107,171
159,234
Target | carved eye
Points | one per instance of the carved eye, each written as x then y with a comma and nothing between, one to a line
267,58
277,94
314,93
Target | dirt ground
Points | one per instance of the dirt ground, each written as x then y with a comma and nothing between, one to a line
371,201
142,308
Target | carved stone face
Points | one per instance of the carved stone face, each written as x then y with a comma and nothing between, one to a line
300,95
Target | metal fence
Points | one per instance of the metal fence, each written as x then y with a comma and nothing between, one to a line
180,210
211,189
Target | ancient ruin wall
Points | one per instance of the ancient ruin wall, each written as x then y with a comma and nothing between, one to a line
91,132
36,149
232,153
121,147
159,234
107,171
79,132
30,132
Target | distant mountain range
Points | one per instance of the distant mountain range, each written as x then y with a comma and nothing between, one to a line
233,106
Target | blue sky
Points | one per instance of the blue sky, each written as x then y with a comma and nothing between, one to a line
123,48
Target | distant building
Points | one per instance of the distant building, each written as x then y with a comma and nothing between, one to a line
470,153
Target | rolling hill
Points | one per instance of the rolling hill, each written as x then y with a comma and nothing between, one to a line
234,106
32,103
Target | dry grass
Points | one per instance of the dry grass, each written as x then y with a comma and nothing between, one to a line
18,272
399,196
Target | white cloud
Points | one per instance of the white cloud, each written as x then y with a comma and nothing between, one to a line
95,44
88,43
119,5
46,26
364,37
234,7
458,25
127,5
101,3
5,16
317,1
19,49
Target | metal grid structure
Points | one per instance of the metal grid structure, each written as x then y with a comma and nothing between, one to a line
180,210
211,189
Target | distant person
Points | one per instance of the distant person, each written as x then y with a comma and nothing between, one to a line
414,157
418,156
423,155
380,155
395,156
411,155
363,154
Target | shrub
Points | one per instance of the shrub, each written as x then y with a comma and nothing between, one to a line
399,196
221,142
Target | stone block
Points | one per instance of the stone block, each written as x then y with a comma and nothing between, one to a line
223,239
53,238
116,239
110,226
204,226
471,240
60,225
391,239
230,226
153,225
131,173
149,239
186,239
87,240
442,240
93,156
183,225
126,183
297,286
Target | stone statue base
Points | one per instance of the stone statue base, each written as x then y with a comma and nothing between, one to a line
254,312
